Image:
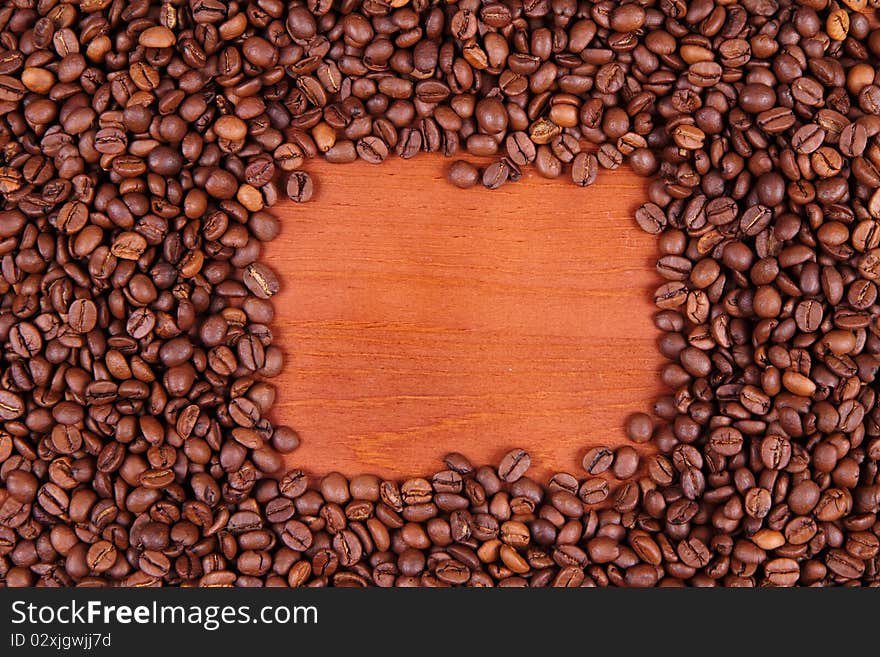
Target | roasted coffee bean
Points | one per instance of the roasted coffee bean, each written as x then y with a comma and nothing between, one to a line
260,280
12,406
626,462
520,149
372,149
639,427
299,187
101,556
584,169
514,465
463,174
651,218
598,460
496,174
82,315
594,491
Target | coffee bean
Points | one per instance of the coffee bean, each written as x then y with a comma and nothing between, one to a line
651,218
808,138
66,439
22,485
496,174
704,73
11,89
285,439
72,217
844,565
463,174
158,36
597,460
372,150
129,246
514,465
757,502
626,462
520,149
594,491
584,169
25,339
299,187
610,157
101,556
776,120
82,315
261,280
727,441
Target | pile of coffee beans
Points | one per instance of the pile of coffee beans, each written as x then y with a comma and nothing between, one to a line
142,143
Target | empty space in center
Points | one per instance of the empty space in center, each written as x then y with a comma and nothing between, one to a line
418,319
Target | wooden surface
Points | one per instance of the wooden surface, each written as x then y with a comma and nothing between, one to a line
418,319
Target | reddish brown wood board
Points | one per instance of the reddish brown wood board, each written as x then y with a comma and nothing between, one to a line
418,319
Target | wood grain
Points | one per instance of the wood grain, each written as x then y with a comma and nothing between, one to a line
418,319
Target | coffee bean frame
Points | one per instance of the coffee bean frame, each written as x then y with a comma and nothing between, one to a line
145,142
